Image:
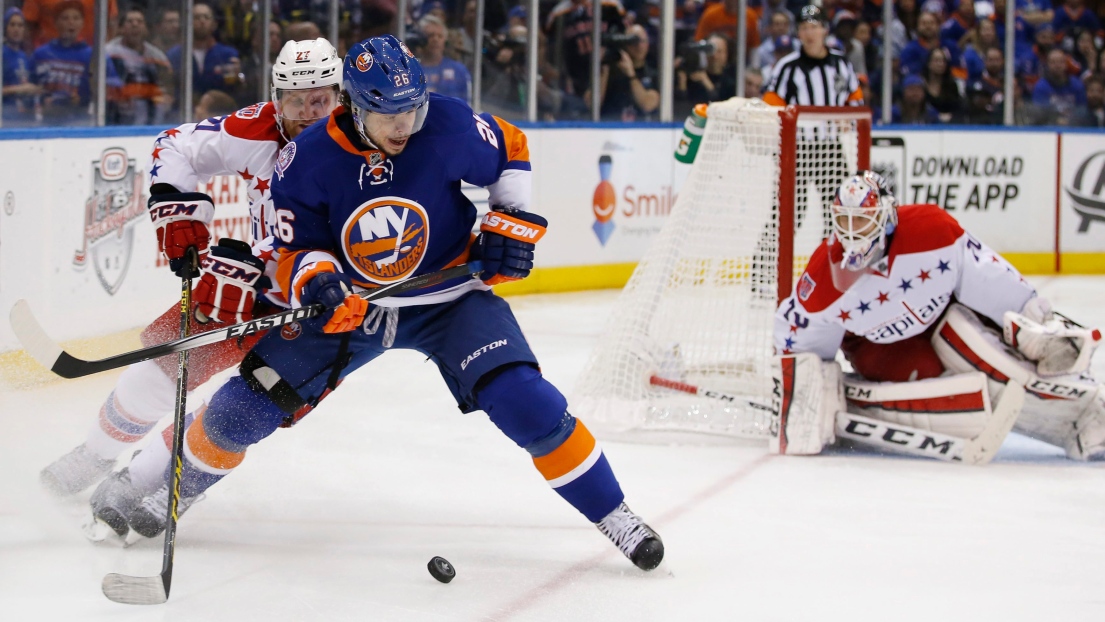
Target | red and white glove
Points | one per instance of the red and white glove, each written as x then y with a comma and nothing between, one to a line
232,276
181,220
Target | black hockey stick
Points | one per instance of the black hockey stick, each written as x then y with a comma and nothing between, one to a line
51,356
130,590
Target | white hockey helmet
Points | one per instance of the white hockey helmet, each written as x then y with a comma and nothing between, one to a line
864,213
305,65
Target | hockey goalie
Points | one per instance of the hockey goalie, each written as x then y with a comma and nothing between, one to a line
950,347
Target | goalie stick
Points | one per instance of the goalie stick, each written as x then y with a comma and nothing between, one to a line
683,387
893,437
51,356
130,590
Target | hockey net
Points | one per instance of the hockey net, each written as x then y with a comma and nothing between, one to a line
698,310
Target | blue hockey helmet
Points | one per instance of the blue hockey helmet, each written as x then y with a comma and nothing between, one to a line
382,76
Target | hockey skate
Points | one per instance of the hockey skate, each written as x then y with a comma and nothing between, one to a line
75,471
148,518
633,537
112,503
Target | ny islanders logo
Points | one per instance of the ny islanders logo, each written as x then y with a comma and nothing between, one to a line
385,239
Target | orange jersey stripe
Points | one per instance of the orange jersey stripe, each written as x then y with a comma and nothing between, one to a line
285,270
571,453
208,452
517,146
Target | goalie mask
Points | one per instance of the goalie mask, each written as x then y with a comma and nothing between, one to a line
864,214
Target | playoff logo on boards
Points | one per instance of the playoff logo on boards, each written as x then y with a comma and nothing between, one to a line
1087,190
116,203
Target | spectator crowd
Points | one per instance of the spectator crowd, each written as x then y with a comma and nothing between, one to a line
948,55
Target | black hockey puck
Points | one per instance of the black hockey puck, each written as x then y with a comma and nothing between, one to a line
441,569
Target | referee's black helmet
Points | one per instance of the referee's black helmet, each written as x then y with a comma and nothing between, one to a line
812,13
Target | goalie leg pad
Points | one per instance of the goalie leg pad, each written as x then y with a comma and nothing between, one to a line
954,405
945,418
808,394
1060,411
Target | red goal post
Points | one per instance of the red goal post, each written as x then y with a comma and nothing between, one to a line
788,170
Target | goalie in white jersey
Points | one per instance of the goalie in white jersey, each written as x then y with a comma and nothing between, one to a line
236,276
950,346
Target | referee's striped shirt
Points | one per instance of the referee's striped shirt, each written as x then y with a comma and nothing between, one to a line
807,81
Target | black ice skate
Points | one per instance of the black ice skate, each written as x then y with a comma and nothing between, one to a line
148,519
633,537
75,471
112,503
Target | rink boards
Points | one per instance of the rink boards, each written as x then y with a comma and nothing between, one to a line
74,240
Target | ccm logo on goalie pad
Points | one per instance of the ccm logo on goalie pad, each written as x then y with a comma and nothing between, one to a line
872,430
517,229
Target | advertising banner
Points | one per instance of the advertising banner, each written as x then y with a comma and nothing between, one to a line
1082,203
998,185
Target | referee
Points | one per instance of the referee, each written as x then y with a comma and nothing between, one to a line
815,75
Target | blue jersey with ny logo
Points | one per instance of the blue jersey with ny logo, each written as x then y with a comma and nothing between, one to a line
381,219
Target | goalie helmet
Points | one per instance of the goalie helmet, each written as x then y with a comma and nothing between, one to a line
864,214
383,77
301,66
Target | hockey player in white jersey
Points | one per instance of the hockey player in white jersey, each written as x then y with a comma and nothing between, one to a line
306,80
949,345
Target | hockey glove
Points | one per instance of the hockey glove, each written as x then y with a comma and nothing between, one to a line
506,242
232,276
335,291
181,220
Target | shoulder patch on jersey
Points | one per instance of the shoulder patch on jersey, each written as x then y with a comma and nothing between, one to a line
805,287
820,291
923,228
251,112
256,122
284,160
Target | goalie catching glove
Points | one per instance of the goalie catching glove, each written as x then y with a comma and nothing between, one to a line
506,242
231,278
181,220
1058,346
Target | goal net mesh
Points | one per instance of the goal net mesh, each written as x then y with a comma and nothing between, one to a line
699,307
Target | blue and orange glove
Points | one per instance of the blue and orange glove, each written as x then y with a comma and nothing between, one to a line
505,244
335,291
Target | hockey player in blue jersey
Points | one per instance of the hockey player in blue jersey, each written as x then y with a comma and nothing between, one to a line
372,197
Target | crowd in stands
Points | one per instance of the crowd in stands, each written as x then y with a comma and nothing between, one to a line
948,55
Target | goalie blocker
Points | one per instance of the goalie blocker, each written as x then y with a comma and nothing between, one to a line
964,416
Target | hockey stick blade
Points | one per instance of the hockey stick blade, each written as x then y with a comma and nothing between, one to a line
683,387
135,590
51,356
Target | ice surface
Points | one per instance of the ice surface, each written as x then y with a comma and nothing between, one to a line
336,518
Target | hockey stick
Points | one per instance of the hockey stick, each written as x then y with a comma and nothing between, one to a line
155,590
51,356
683,387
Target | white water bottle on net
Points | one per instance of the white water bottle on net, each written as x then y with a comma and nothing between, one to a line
688,348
